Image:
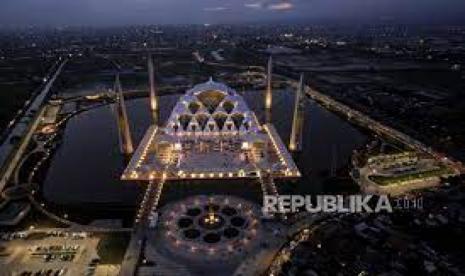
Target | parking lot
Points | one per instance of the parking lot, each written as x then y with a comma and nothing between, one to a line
51,253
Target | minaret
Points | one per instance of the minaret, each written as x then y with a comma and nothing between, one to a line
295,144
153,92
269,89
125,140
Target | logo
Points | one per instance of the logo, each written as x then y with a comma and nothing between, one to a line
284,204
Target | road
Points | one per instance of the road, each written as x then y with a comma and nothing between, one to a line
375,126
10,154
142,230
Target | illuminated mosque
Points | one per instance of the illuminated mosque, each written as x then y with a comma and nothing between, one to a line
211,133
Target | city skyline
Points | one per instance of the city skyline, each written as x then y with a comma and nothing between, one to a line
123,12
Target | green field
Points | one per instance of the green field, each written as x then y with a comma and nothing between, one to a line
12,98
18,79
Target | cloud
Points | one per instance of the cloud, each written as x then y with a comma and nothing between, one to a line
214,9
283,6
256,5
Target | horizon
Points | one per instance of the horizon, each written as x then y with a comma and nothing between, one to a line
106,13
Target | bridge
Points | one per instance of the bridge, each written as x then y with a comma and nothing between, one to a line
142,227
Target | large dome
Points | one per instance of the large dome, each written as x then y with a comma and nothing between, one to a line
211,107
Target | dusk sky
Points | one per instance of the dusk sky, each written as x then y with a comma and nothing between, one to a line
119,12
